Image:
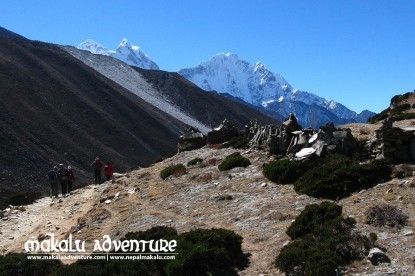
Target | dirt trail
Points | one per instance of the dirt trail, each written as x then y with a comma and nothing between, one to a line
47,215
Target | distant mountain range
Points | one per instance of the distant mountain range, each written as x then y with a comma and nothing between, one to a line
252,83
257,85
63,105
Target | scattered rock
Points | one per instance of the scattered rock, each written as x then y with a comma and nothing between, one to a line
224,197
108,201
377,256
408,233
42,237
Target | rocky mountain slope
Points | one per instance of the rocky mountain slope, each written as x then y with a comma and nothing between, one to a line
130,54
257,85
55,109
172,93
241,200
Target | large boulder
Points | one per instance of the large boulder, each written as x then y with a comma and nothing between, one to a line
377,256
192,139
223,133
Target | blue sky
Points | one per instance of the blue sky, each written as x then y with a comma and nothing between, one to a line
357,52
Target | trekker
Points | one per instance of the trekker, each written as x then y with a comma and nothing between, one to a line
108,171
63,179
71,178
53,181
97,165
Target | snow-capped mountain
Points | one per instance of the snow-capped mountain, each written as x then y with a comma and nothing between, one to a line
255,84
130,54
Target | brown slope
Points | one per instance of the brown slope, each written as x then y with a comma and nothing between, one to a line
209,108
55,109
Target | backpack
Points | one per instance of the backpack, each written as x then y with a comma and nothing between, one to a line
63,174
52,175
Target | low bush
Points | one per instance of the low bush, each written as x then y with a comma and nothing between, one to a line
378,117
386,215
404,116
176,170
283,171
19,264
337,176
208,252
199,252
23,198
236,142
234,160
323,240
194,161
400,108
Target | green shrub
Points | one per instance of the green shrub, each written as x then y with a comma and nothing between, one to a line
23,198
404,116
386,215
176,170
323,241
236,142
283,171
401,108
313,217
378,117
337,176
234,160
194,161
208,252
19,264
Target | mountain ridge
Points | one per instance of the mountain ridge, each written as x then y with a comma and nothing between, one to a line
126,52
255,84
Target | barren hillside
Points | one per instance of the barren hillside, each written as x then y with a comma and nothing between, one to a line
241,199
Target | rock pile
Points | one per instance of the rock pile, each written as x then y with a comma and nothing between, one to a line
223,133
392,143
192,139
289,139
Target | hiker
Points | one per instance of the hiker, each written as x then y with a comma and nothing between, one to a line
97,165
63,179
108,171
71,178
53,181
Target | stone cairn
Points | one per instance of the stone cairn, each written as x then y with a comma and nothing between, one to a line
223,133
289,139
192,139
392,143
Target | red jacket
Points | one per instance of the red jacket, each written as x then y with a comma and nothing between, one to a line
108,170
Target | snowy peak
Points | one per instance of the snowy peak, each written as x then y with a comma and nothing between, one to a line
125,44
93,47
226,72
255,84
126,52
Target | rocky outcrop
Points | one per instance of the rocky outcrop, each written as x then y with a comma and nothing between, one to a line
289,139
392,143
192,139
223,133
